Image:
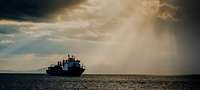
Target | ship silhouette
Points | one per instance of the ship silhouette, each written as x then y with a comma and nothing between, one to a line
67,67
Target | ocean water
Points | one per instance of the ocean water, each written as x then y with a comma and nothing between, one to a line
98,82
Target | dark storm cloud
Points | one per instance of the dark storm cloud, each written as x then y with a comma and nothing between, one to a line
33,10
187,15
188,33
190,11
189,23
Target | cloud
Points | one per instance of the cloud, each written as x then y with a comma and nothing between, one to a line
8,29
6,41
190,11
162,9
30,61
34,10
106,33
38,46
187,11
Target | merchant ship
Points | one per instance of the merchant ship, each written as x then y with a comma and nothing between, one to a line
67,67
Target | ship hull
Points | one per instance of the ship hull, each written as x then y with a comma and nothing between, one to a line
71,72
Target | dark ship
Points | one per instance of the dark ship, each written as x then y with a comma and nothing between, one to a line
69,67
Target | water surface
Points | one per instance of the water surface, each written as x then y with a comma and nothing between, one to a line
98,82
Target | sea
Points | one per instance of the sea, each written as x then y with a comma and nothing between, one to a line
98,82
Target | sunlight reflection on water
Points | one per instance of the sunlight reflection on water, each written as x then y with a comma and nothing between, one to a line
98,82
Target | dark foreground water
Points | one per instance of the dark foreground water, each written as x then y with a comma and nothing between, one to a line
98,82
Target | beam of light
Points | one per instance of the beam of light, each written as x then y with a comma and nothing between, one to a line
121,49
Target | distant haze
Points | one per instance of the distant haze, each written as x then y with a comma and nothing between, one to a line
109,36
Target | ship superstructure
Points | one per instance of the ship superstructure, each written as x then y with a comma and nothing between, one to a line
69,67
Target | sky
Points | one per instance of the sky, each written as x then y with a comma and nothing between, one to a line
109,36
